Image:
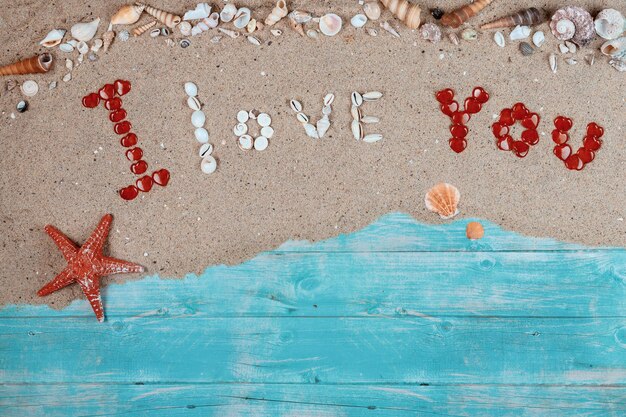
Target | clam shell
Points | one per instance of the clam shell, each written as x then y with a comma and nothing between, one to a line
443,199
358,21
372,10
191,89
474,231
53,38
242,18
519,33
498,38
295,106
372,137
330,24
29,88
228,12
201,135
264,119
245,142
193,103
609,24
539,39
242,116
85,31
208,164
205,150
261,143
198,118
69,64
201,11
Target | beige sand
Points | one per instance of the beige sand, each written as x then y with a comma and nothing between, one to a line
63,165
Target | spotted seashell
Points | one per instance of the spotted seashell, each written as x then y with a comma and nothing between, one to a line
573,23
430,32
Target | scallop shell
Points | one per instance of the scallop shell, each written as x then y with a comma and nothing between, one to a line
443,199
610,24
242,18
228,12
53,38
372,10
127,15
358,21
202,11
430,32
573,23
330,24
85,31
474,231
29,88
278,12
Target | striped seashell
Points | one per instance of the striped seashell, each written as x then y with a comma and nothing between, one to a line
140,30
405,11
278,12
443,199
37,64
526,17
168,19
457,17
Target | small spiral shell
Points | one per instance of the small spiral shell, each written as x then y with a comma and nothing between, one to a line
37,64
278,12
405,11
168,19
461,15
140,30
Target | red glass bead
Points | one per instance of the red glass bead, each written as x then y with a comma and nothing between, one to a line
519,111
113,104
562,123
531,121
559,137
107,92
129,140
117,115
91,100
530,136
459,131
499,130
574,162
161,177
139,167
505,143
592,143
472,106
458,145
134,154
445,96
585,155
460,117
122,87
562,151
122,128
129,192
593,129
481,95
144,183
506,117
520,149
449,109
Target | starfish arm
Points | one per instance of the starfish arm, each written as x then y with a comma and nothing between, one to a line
112,266
62,280
96,241
67,247
90,285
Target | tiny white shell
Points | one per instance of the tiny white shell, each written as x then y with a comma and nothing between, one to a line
205,150
328,99
355,112
242,116
201,11
302,118
191,89
246,142
295,106
322,126
240,129
369,120
254,40
267,131
372,95
261,143
69,64
264,119
519,33
193,103
330,24
242,18
66,47
201,135
184,28
553,62
53,38
498,37
312,33
358,21
228,12
96,45
276,32
29,88
208,164
311,131
357,98
357,130
571,46
198,118
539,38
563,48
327,110
371,138
67,77
372,10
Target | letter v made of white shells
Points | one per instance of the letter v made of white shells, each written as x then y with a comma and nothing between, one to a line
358,119
318,130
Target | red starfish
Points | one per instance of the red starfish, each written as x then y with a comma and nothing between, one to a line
86,265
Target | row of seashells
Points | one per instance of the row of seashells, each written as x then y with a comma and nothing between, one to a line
198,118
318,130
358,119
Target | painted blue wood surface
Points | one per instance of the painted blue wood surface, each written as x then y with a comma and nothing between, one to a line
400,318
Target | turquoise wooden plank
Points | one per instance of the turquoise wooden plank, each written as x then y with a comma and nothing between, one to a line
276,400
541,284
328,350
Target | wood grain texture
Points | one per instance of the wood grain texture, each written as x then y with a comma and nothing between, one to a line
373,323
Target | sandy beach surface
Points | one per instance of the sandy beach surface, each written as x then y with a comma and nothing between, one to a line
63,165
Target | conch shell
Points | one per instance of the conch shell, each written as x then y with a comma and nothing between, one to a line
573,23
526,17
610,24
140,30
168,19
128,14
85,31
443,199
459,16
405,11
278,12
34,65
53,38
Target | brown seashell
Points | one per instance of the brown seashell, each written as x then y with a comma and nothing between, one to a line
443,199
140,30
405,11
37,64
474,231
457,17
168,19
127,15
526,17
278,12
573,23
107,39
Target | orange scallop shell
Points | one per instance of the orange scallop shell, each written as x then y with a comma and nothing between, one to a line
443,199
